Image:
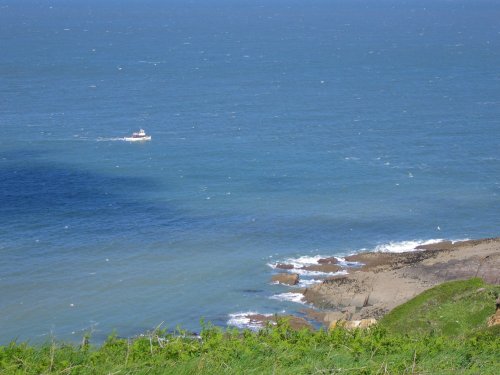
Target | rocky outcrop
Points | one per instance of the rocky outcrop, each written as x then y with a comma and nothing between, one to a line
443,245
378,262
286,278
495,318
326,317
449,245
387,280
381,281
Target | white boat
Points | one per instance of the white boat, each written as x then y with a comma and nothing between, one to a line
138,136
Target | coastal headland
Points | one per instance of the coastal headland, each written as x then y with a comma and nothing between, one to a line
377,282
453,327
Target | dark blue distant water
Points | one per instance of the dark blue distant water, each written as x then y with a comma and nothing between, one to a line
281,129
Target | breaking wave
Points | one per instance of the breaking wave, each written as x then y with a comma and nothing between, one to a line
403,246
289,297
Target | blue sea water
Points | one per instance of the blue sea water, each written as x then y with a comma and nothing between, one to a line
280,129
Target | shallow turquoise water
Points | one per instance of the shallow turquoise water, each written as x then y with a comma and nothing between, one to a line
280,129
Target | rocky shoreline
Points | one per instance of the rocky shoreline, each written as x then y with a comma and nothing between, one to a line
377,282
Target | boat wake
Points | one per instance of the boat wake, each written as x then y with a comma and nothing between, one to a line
101,139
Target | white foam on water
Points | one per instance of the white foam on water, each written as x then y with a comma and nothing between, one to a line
299,262
242,320
402,246
290,297
101,139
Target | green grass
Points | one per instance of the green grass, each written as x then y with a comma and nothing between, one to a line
395,346
448,309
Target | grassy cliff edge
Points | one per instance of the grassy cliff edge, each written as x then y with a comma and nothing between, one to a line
441,331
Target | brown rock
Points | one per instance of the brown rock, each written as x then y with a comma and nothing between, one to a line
443,245
286,278
333,279
314,314
380,262
324,317
372,260
365,323
349,311
333,316
331,260
283,266
494,319
333,324
327,268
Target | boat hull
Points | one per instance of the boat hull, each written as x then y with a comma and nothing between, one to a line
141,139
